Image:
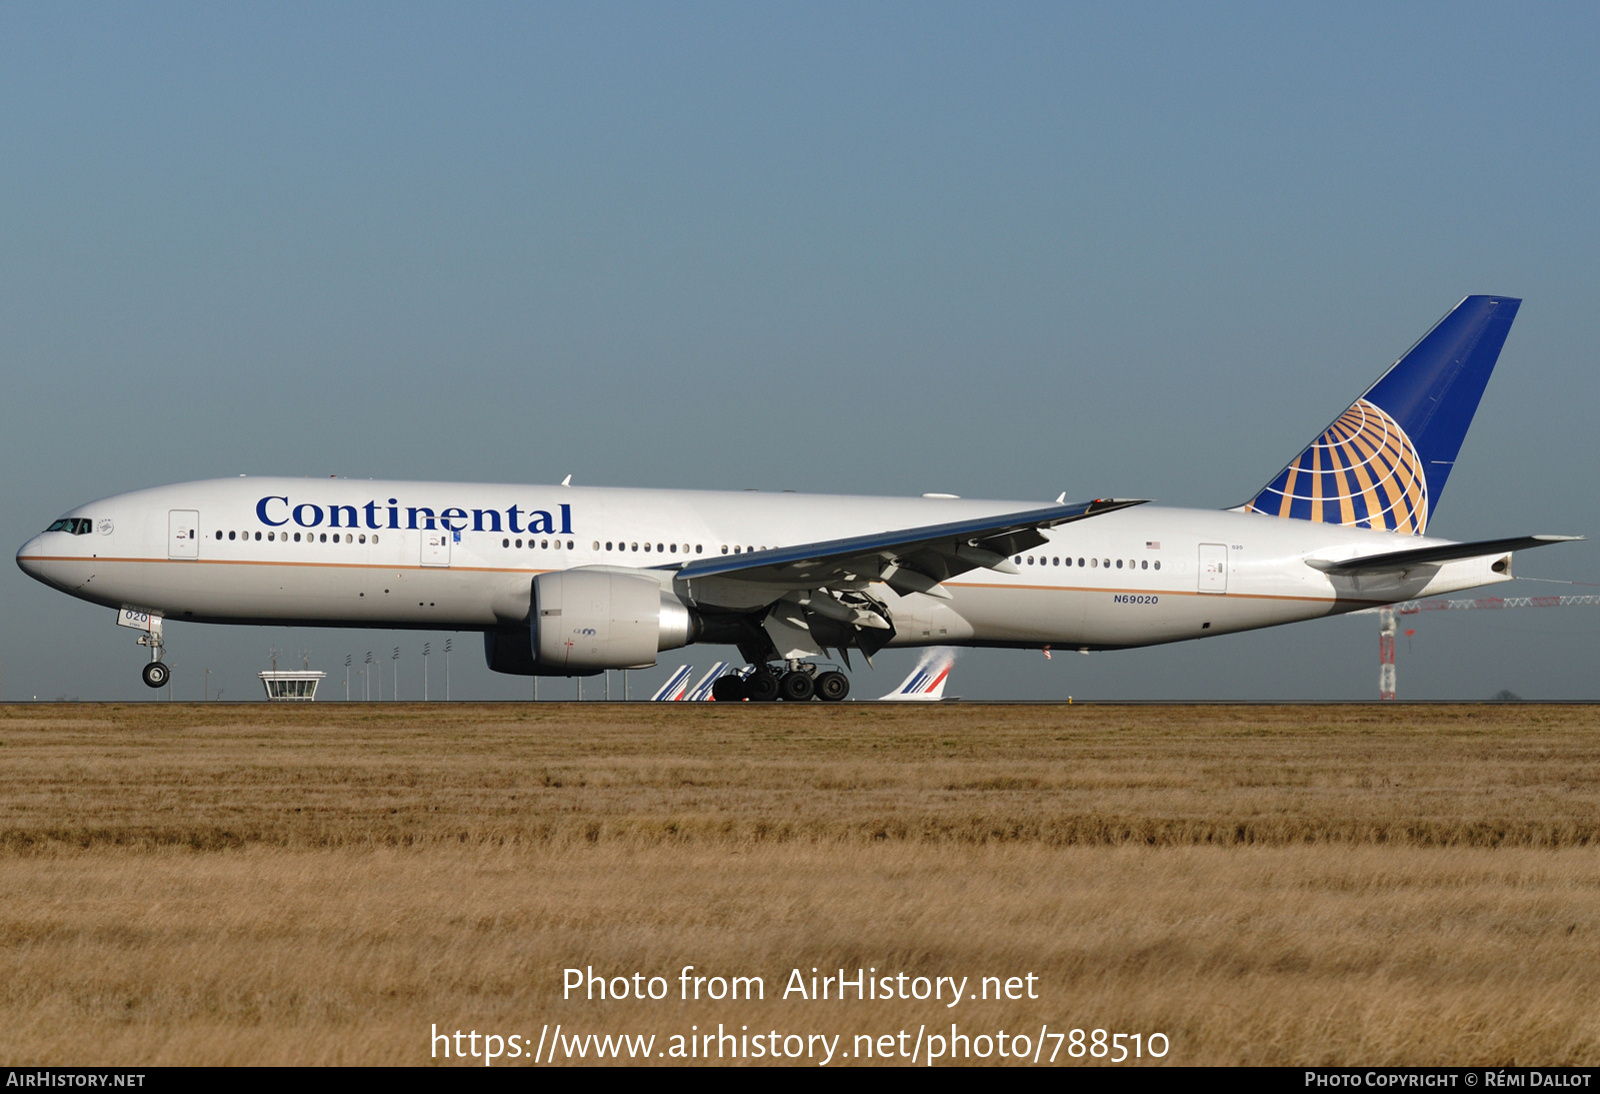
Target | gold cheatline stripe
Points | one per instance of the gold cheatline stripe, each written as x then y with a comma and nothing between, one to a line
506,570
286,562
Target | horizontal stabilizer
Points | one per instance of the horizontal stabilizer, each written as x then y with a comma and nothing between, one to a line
1397,561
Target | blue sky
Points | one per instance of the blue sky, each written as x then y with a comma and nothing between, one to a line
999,250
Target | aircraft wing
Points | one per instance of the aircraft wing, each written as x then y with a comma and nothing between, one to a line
907,559
1398,561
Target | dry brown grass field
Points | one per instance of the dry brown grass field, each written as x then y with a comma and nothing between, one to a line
231,884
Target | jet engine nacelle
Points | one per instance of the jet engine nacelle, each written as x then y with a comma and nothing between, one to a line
584,621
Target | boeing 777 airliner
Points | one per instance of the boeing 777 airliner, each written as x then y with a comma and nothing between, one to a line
571,581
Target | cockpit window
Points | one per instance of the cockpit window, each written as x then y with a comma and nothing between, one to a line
78,526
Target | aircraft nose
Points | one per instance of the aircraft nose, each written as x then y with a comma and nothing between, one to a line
31,558
26,557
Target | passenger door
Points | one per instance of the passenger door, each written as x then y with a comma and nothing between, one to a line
436,546
1213,568
183,533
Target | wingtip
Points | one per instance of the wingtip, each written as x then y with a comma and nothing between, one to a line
1099,505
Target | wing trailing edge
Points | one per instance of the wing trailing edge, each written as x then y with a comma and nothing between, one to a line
798,601
922,556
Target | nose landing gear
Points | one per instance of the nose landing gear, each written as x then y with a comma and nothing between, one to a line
156,674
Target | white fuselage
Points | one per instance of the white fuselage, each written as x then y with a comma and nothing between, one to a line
456,556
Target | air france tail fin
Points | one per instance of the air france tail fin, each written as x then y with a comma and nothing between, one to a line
927,680
678,683
1383,463
701,692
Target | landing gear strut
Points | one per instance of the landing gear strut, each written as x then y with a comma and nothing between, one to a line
156,673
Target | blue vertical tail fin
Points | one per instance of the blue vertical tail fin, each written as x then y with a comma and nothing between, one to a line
1383,463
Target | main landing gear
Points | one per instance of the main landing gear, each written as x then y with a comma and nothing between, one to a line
795,682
